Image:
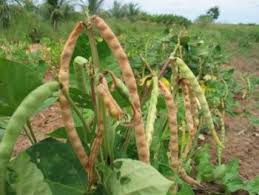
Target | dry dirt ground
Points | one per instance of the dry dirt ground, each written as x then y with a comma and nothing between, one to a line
242,137
242,141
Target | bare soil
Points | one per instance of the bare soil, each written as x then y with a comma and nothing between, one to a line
242,137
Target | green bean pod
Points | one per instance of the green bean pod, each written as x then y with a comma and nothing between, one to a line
16,123
119,84
222,135
186,73
151,117
123,90
80,73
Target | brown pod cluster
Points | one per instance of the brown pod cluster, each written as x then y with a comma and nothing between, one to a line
129,79
188,116
194,108
95,149
172,122
173,144
64,103
109,102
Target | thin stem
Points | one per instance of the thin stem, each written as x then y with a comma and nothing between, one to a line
27,135
168,62
98,104
80,116
146,64
31,131
95,56
128,135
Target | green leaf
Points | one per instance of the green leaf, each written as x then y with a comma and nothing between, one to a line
60,167
26,178
252,186
185,189
232,179
254,120
204,166
16,81
136,178
219,171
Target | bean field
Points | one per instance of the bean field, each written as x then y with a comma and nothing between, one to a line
124,102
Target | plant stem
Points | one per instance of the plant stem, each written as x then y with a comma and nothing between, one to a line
168,62
127,138
31,131
80,116
146,63
95,57
28,135
97,101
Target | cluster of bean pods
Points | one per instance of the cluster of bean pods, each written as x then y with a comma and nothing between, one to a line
192,93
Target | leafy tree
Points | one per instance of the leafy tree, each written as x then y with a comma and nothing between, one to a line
5,13
28,5
133,9
204,19
94,5
214,12
211,15
118,10
57,10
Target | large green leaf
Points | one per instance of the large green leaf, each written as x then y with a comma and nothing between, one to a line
26,178
16,81
132,177
60,167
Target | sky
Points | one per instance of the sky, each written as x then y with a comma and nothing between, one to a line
232,11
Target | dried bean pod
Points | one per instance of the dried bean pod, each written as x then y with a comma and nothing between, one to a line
65,59
172,123
152,111
129,79
173,143
187,74
95,148
112,106
188,116
194,109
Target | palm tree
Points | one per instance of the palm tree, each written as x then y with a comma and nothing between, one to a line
133,9
5,13
94,6
57,10
118,10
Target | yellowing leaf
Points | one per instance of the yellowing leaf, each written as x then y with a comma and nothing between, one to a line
165,82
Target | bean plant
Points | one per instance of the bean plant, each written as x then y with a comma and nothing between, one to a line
124,137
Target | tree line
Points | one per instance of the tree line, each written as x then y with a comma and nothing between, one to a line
56,11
